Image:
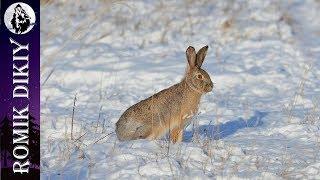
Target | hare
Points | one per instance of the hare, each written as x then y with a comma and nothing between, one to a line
170,109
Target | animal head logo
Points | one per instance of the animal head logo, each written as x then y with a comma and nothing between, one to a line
19,18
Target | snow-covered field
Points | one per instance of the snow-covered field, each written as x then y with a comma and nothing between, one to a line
261,121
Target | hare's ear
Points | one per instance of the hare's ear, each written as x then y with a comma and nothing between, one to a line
191,57
201,55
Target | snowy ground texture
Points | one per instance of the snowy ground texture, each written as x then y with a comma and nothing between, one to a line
261,121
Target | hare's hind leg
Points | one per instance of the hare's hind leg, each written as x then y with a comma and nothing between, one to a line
130,129
143,131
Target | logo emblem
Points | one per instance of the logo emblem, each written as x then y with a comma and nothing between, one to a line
19,18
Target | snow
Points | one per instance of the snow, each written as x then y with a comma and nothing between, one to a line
261,121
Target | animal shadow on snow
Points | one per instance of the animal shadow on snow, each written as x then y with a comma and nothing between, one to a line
223,130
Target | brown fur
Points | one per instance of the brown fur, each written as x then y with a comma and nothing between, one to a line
169,109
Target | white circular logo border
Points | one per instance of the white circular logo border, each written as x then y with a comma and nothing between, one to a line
8,16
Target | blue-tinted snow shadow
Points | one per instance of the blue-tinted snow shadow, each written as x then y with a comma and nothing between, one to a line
223,130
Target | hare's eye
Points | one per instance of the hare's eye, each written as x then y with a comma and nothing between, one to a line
199,76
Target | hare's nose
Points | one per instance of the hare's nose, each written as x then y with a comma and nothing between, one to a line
209,86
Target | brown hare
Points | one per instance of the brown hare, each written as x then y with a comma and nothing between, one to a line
170,109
